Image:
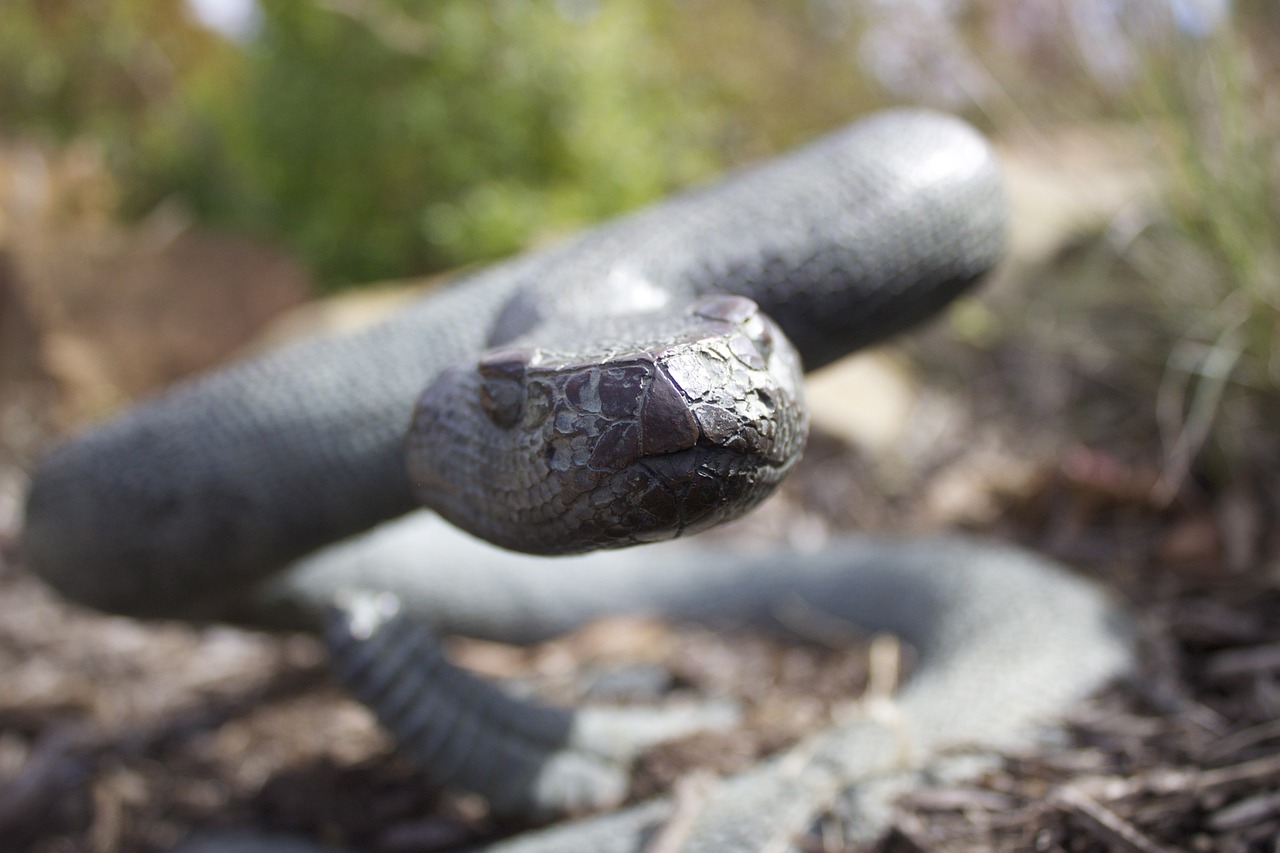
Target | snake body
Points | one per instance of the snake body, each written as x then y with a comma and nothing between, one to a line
207,501
1006,640
221,481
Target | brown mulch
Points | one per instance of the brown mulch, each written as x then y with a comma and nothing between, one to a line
122,735
117,735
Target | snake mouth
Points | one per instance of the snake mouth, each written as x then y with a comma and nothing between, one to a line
684,492
736,458
733,457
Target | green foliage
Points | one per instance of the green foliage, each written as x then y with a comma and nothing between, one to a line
1212,105
113,72
1216,285
385,138
397,137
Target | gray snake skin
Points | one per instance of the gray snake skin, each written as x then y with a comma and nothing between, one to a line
222,497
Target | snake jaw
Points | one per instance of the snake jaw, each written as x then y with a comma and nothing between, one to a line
692,424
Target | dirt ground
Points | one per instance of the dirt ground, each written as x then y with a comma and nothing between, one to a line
122,735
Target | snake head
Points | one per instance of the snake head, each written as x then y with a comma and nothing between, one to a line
551,450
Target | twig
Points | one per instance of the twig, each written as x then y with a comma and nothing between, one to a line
1214,371
1245,812
690,795
1106,824
1243,739
1244,662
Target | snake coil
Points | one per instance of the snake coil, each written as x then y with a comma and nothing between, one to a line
637,383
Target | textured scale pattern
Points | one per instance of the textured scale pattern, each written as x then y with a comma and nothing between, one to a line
1006,641
528,760
461,730
693,420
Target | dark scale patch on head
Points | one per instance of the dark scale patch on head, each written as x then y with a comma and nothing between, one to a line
657,507
703,494
619,445
582,390
678,493
666,424
621,388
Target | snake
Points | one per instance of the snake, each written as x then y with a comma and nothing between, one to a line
633,385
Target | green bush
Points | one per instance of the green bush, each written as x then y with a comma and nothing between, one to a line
386,138
404,137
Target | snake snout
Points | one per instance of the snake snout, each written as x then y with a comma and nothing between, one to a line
545,451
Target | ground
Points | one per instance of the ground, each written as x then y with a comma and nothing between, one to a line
122,735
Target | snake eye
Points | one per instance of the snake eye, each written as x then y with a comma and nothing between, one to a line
502,384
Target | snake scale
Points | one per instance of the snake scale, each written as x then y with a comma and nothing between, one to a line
629,385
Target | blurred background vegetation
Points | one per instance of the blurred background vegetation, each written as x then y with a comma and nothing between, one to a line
382,139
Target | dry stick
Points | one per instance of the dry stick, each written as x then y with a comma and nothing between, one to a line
1246,812
1267,767
1112,828
1115,788
1080,797
1214,371
1242,662
68,759
690,795
1243,739
1106,824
